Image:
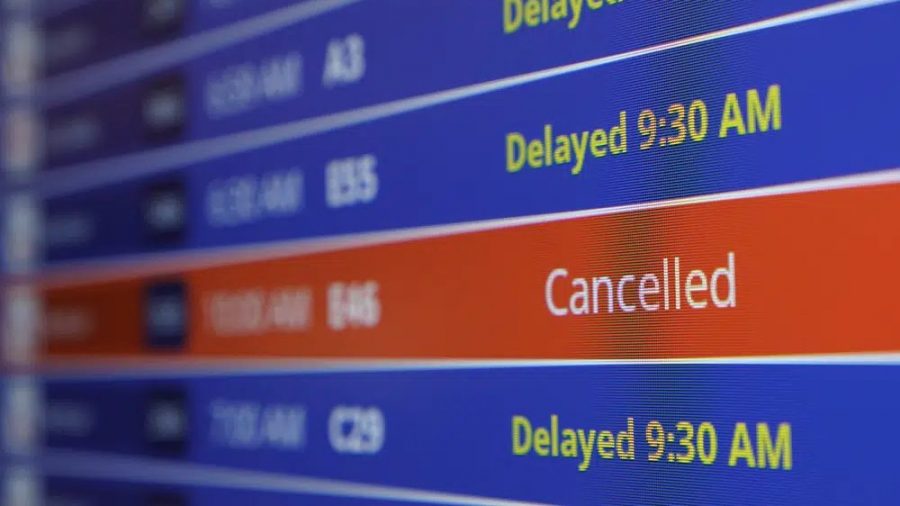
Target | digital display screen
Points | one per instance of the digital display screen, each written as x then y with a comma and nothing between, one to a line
471,252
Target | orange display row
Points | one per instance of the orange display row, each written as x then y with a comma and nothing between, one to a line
802,273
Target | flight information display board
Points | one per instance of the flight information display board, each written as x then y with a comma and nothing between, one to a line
449,252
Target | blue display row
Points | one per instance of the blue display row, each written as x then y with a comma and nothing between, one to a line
372,52
730,114
677,433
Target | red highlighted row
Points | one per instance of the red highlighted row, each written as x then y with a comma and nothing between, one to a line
792,274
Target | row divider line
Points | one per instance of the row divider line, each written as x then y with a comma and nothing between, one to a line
115,368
